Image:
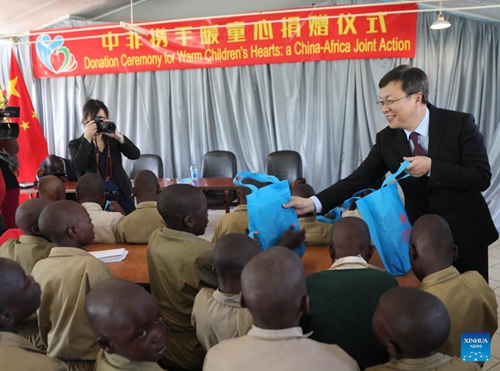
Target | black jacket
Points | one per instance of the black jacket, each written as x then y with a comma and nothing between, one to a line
460,171
83,159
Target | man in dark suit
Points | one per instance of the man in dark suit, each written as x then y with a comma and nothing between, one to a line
449,166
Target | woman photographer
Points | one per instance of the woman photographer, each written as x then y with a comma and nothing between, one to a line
99,150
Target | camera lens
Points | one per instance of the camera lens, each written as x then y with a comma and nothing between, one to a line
109,127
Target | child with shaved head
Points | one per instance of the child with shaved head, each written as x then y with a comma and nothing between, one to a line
66,276
128,325
90,193
274,291
470,301
317,233
180,265
19,299
217,314
33,245
412,324
138,226
51,188
344,297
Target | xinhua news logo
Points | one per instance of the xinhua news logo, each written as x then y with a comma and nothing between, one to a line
475,347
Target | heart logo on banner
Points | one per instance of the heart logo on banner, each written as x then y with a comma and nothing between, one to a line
53,55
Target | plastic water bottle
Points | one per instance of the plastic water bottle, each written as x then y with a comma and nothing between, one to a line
193,170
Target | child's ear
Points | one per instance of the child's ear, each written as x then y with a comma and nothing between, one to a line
370,253
214,270
6,318
134,193
392,349
188,221
413,252
455,252
72,233
106,345
35,229
331,251
78,197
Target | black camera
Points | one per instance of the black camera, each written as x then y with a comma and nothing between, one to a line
9,130
104,126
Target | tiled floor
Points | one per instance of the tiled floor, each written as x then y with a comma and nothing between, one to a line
494,263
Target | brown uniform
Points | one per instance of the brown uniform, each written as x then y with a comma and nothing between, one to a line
470,301
436,362
277,350
218,316
116,362
66,277
180,265
138,226
16,353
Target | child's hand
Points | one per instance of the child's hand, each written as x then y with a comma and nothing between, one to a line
40,172
293,239
115,207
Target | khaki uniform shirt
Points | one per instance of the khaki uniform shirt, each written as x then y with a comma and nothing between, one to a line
138,226
66,277
26,251
105,222
317,233
277,350
234,222
18,354
436,362
218,316
116,362
470,301
180,265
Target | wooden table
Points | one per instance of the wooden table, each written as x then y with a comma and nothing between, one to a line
206,184
135,267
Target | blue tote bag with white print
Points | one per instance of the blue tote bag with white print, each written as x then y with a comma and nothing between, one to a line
386,217
266,214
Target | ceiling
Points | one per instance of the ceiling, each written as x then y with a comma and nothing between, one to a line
35,14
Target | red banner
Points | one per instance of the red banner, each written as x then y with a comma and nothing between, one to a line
301,35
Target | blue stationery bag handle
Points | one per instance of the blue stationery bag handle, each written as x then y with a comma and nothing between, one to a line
355,196
259,177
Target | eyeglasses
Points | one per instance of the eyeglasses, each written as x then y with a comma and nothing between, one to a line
387,103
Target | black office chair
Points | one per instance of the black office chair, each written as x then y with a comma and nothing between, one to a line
219,164
284,165
147,162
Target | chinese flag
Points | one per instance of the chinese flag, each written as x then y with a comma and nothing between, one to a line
32,143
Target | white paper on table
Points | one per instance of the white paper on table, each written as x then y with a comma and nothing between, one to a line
110,256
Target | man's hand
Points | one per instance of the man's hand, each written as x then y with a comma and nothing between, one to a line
293,239
302,205
420,165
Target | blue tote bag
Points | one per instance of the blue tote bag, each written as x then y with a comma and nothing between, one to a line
266,214
388,223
